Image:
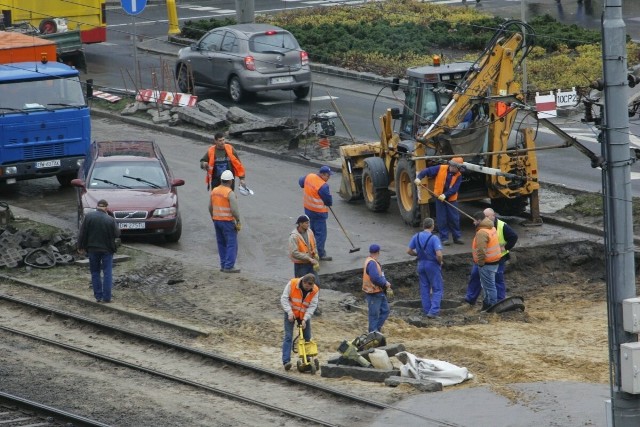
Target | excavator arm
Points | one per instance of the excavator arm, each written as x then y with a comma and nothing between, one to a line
491,74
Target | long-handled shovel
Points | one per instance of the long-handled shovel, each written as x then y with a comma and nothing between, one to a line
453,206
353,247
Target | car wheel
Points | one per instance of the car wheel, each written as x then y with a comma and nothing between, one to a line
301,92
184,82
175,236
236,92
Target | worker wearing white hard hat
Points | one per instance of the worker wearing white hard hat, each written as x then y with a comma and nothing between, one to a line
223,208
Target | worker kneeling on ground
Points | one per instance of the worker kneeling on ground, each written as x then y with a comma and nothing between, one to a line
299,301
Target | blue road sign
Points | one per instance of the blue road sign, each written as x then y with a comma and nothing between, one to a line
133,7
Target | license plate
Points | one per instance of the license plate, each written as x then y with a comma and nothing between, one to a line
279,80
131,225
47,164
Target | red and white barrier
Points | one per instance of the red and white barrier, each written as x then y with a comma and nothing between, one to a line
106,96
546,106
167,98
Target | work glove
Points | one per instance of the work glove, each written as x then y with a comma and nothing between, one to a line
316,266
238,226
389,293
417,181
442,197
204,165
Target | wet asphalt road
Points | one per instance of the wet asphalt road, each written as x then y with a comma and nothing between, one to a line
268,216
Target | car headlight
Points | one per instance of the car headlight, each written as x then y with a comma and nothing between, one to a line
164,212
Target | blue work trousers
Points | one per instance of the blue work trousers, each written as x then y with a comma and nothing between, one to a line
319,228
287,343
448,220
227,238
431,286
488,281
378,310
474,287
101,267
300,269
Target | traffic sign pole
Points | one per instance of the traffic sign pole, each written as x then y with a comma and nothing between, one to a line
133,8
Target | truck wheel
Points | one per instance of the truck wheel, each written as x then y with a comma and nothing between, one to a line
375,183
48,26
64,179
406,192
510,207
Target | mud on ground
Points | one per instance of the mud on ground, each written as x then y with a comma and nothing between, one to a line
561,336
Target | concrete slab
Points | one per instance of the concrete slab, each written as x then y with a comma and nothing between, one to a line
549,404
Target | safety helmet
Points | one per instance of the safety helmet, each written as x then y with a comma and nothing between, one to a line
226,176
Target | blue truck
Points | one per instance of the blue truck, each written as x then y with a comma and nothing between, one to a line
45,123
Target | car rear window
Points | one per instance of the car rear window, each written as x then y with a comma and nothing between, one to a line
279,42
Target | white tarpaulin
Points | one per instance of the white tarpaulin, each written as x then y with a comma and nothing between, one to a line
436,370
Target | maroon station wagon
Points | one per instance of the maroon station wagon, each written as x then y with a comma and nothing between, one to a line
134,177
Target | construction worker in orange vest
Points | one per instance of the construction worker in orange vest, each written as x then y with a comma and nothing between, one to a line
376,289
317,200
486,255
302,249
446,186
220,157
299,301
223,208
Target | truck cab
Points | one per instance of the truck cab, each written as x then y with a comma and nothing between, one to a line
45,125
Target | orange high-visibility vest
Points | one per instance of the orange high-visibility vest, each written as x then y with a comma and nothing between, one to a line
220,204
367,285
238,169
441,179
312,199
299,306
492,254
302,247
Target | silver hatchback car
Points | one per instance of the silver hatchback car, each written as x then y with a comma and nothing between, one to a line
244,59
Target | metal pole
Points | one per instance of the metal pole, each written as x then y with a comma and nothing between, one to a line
617,202
135,52
523,17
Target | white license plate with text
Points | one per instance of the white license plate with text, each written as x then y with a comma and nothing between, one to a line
279,80
131,225
47,164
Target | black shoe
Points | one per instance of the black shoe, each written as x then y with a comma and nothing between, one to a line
230,270
326,258
287,366
432,316
446,242
107,301
468,302
458,242
98,300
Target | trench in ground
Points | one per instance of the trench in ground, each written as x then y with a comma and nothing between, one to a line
531,271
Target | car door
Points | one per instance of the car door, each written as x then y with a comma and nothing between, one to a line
204,58
227,58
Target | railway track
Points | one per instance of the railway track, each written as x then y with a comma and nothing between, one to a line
201,371
16,411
